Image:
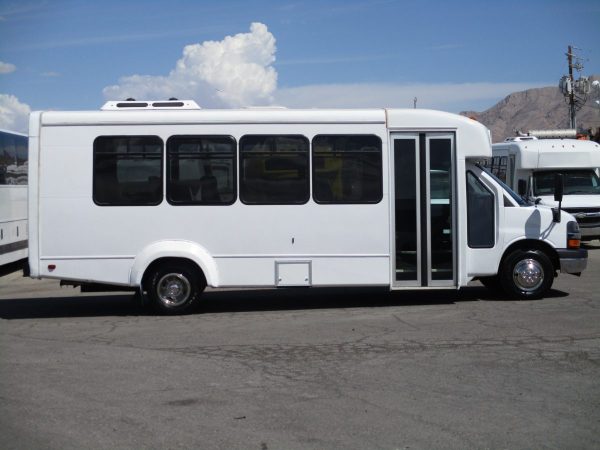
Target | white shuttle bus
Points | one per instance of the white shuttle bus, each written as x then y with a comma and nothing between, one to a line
168,198
533,163
13,197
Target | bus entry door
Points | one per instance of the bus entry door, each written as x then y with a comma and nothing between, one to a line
424,210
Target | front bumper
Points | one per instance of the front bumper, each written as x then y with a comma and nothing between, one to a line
589,232
572,260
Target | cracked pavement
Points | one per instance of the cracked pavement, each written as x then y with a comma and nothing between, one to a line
291,369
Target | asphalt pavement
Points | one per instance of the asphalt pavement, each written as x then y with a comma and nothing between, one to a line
294,369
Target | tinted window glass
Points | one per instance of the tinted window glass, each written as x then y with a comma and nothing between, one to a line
576,182
201,170
13,159
516,197
498,167
127,170
480,214
347,169
274,169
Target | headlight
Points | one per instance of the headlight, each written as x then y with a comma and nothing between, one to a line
573,235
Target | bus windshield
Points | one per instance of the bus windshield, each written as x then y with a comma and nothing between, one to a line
576,182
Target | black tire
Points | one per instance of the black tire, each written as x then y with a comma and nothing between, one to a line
492,283
174,288
527,274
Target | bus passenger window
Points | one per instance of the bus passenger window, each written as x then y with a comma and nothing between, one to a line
347,169
127,170
201,170
274,169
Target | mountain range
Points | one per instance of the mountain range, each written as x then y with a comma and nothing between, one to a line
534,109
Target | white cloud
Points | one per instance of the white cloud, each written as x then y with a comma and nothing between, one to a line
446,96
234,72
238,71
7,67
14,115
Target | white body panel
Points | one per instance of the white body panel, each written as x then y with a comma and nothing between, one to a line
244,245
514,224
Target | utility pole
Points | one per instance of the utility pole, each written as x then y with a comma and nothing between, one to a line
572,119
415,103
577,90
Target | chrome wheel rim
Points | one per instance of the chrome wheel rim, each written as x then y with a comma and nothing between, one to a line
528,275
173,289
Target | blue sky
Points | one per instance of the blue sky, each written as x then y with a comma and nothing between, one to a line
451,55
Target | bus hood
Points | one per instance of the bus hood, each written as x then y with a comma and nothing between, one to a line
573,201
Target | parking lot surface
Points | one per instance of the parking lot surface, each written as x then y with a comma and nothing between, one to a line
292,369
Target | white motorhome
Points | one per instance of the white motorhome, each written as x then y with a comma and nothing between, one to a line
534,163
169,198
13,197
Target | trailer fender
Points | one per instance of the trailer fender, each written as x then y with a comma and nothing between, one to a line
174,249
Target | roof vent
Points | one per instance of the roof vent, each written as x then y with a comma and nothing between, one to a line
520,138
131,103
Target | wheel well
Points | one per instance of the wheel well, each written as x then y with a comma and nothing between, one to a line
533,244
162,261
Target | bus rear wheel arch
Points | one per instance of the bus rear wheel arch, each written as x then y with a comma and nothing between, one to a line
173,285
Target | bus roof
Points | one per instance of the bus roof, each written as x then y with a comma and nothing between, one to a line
554,153
211,116
393,118
475,139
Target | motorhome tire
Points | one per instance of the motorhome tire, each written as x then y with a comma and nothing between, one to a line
527,274
174,288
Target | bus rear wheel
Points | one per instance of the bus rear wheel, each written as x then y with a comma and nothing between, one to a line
527,274
174,288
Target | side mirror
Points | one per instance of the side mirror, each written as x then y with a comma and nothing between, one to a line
558,196
558,187
522,187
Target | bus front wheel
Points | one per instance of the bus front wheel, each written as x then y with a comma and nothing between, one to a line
527,274
174,288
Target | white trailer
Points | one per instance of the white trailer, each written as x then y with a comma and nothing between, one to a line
533,163
13,197
167,198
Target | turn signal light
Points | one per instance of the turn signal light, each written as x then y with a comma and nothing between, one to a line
573,235
51,267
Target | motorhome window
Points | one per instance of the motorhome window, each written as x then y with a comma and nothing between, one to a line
511,169
480,214
13,159
201,170
274,169
498,167
516,197
347,169
575,182
127,170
